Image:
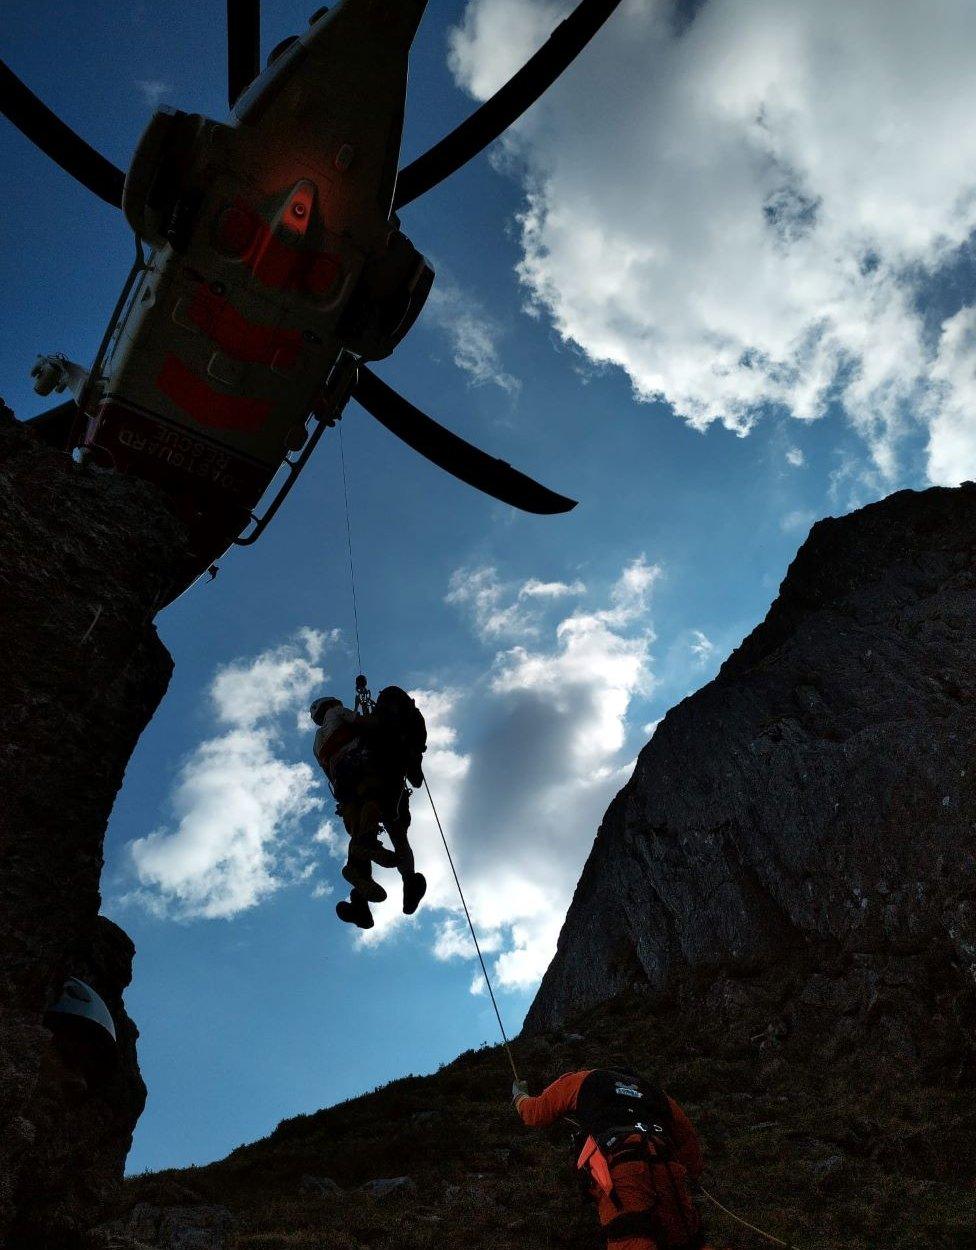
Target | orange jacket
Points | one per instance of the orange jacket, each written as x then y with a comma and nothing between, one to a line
560,1099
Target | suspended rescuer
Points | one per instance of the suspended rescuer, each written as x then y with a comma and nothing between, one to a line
369,756
638,1156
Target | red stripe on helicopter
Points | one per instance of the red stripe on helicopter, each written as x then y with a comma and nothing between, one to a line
208,406
244,340
272,257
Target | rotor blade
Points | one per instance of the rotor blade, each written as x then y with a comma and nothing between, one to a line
448,451
58,141
243,46
495,116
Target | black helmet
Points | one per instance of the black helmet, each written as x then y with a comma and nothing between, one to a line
319,708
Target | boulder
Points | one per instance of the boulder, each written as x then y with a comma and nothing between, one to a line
401,1186
322,1187
199,1227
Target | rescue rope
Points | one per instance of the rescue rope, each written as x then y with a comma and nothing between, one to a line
777,1241
352,569
474,936
433,806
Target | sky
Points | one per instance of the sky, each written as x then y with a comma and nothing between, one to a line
716,285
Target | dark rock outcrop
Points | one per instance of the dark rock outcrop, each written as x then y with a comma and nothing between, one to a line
81,1123
814,802
84,558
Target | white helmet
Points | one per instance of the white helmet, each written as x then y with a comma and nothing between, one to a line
80,1001
319,708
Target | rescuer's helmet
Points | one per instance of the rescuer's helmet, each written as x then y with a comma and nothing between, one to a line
83,1029
319,708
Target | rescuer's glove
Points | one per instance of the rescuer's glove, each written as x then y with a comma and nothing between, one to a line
520,1090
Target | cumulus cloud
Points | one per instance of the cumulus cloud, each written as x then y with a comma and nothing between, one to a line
542,734
238,802
749,211
796,458
522,761
473,334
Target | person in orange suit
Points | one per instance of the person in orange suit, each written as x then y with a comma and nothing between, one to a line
640,1154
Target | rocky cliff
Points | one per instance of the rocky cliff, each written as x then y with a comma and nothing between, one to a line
777,920
814,803
84,560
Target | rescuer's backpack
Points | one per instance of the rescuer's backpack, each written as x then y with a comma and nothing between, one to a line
404,731
626,1123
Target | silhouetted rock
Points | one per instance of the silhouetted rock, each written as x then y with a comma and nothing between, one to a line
815,802
397,1186
199,1227
323,1186
84,559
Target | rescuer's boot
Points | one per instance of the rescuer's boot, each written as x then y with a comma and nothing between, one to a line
414,889
355,911
371,890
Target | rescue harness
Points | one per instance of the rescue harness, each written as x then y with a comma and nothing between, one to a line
672,1221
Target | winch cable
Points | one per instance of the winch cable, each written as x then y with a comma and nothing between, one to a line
776,1241
433,806
474,936
352,568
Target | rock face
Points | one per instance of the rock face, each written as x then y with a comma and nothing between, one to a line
814,802
84,559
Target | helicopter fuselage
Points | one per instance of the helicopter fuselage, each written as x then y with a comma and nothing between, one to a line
276,265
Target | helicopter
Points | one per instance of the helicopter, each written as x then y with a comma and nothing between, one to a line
276,269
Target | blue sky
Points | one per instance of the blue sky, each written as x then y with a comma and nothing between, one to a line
716,286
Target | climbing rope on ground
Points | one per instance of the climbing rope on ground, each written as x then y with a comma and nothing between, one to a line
474,936
776,1241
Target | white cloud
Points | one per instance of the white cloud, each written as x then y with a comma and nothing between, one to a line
533,589
498,610
153,90
473,334
246,691
483,594
543,735
238,803
952,438
750,213
702,647
796,458
797,522
521,762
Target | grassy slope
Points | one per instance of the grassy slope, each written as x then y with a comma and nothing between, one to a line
834,1160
